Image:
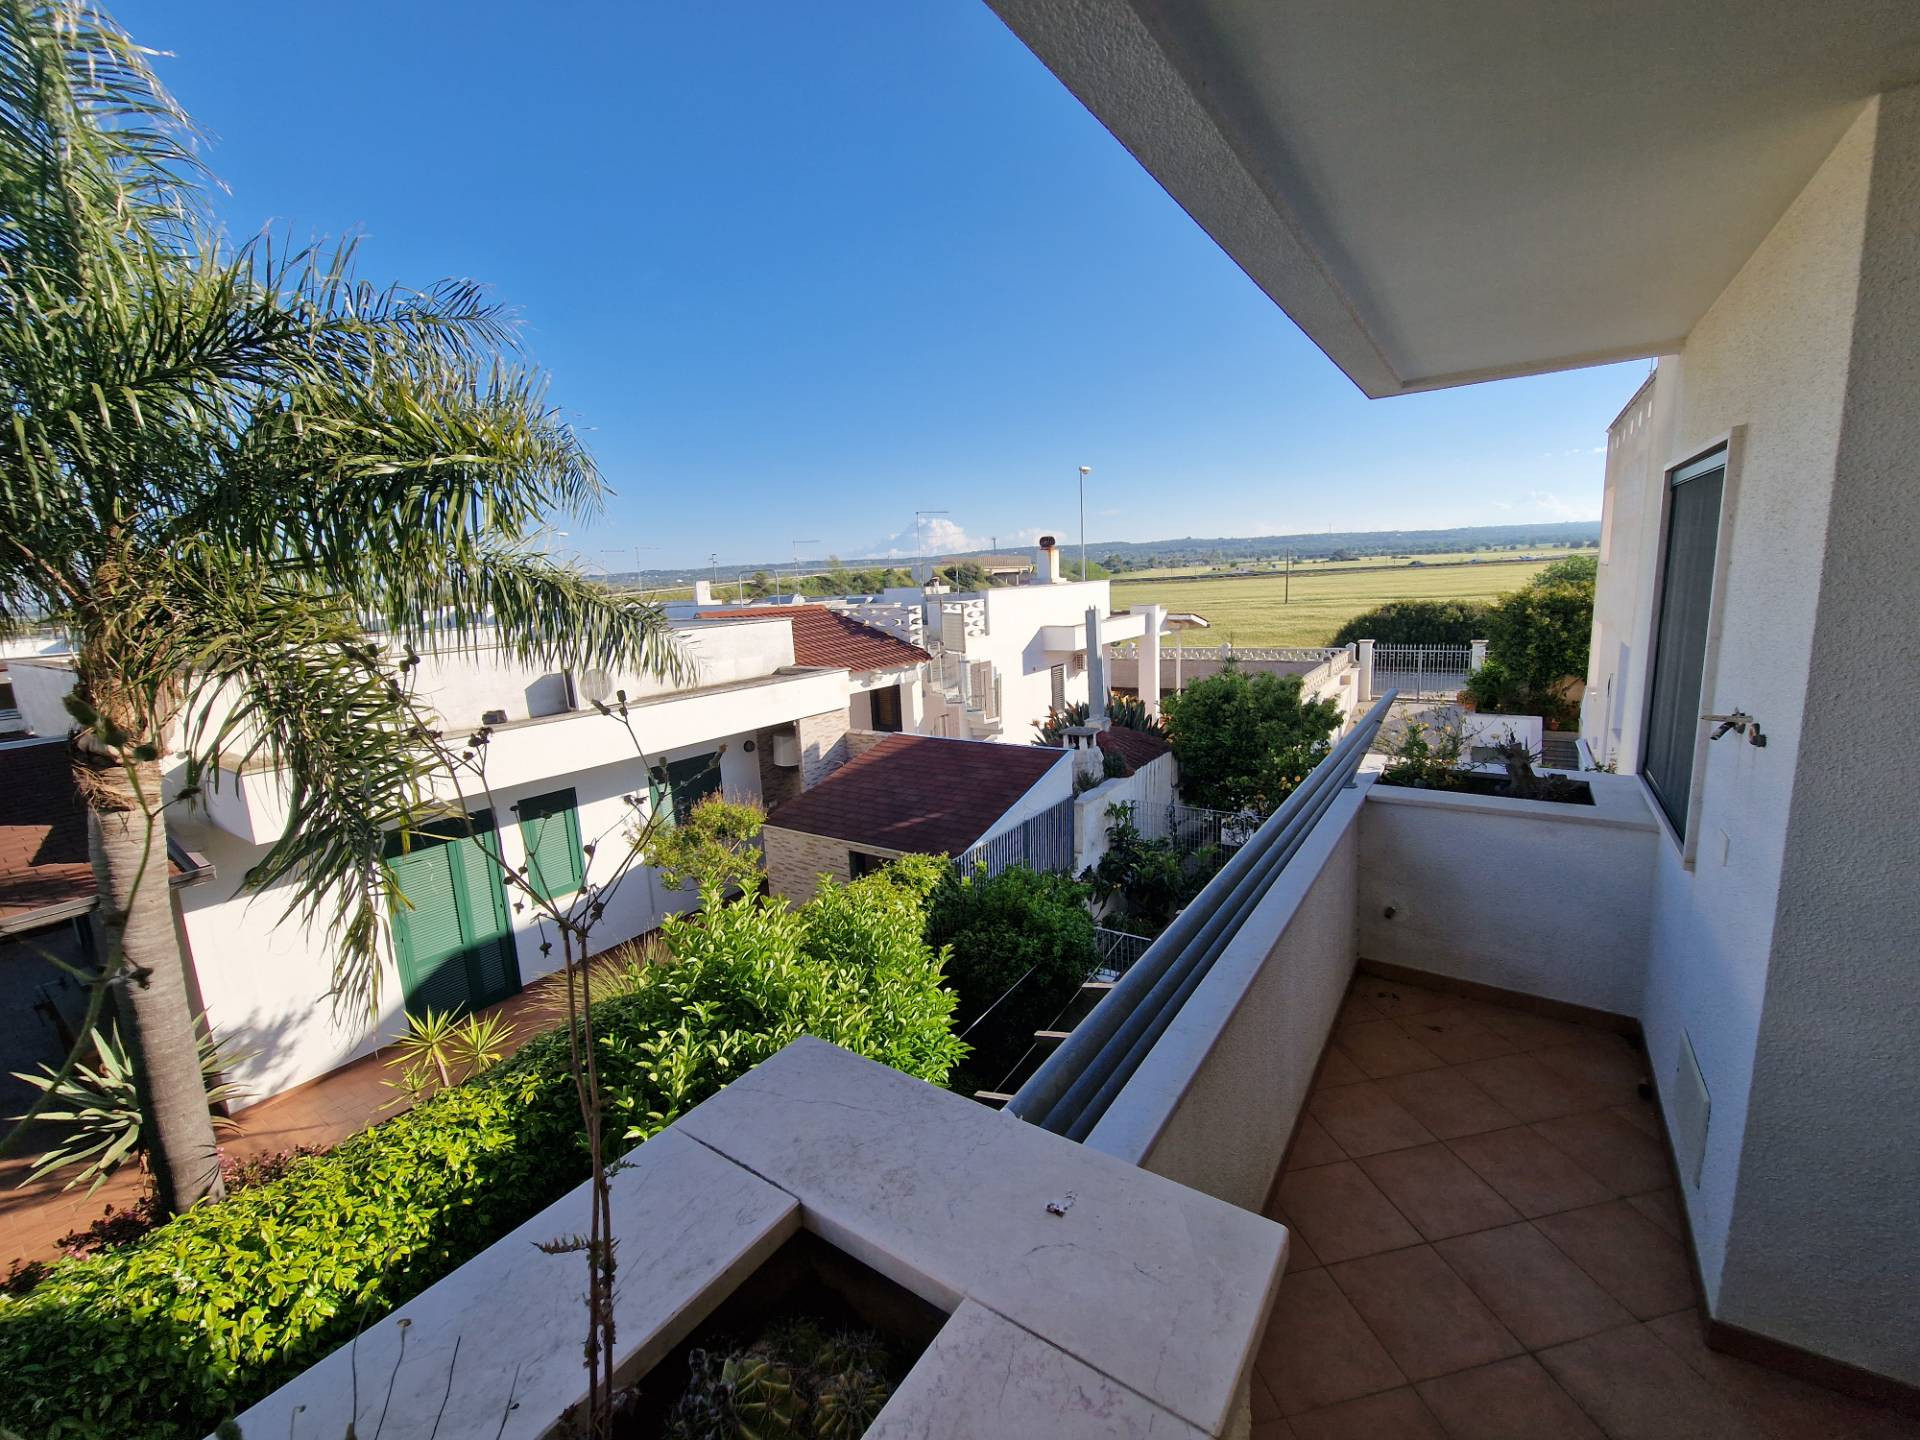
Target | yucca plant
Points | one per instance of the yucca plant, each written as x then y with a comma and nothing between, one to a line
439,1047
98,1106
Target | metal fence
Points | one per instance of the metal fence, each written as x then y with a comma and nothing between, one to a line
1195,827
1421,672
1292,654
1118,950
1042,842
1076,1083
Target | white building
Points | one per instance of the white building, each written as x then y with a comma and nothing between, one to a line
1002,657
757,723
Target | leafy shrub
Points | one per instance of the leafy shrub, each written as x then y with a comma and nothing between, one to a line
1426,757
1417,622
998,930
1537,641
116,1227
215,1308
1244,741
1151,878
713,848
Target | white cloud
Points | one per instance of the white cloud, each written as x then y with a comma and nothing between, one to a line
935,535
1558,507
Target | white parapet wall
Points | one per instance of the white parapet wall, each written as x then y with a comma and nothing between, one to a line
1214,1102
1086,1298
1547,899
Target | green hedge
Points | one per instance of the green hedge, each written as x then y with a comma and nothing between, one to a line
1417,622
213,1310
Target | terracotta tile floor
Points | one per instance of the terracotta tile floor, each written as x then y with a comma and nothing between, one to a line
33,1217
1486,1247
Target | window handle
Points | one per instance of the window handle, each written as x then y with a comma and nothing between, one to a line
1739,722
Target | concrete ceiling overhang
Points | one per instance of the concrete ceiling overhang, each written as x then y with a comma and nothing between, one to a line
1444,191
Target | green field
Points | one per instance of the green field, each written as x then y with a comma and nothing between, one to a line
1251,612
1363,562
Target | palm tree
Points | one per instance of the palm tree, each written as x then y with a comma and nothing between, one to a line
225,467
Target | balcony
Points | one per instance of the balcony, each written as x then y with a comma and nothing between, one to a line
1367,1144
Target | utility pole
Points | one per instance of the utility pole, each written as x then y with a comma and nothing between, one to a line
1286,588
713,570
1085,470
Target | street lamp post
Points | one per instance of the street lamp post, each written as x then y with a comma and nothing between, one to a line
1085,470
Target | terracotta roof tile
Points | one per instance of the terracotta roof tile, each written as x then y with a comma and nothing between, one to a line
43,833
918,793
823,636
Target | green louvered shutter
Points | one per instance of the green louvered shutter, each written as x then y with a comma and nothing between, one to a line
550,830
454,938
690,781
428,938
493,971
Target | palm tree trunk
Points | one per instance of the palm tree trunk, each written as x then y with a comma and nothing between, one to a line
127,842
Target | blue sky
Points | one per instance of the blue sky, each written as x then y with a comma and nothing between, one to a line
798,270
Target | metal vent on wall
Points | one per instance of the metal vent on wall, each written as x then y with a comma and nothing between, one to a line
1692,1112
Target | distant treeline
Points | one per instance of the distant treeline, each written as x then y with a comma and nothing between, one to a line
1119,556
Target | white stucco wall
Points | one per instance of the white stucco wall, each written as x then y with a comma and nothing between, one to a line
1013,642
266,984
39,687
1541,898
1148,788
1781,948
1215,1101
1771,357
1822,1251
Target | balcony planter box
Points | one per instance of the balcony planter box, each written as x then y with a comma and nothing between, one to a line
1473,782
806,1279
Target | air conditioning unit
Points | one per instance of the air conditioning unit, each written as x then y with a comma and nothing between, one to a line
786,750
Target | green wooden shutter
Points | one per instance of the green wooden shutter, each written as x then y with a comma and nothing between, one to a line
429,939
550,830
690,781
493,969
453,938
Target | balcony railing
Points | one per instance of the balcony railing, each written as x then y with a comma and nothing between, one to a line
1070,1092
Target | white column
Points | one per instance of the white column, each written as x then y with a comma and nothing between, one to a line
1149,681
1366,672
1179,640
1096,671
1477,656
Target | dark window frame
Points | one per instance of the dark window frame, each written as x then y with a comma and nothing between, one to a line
1670,740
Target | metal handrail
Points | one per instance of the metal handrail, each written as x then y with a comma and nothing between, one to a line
1071,1091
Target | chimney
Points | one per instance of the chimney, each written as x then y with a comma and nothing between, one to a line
703,592
1047,572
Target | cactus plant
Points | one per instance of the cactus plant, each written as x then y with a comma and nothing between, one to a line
798,1381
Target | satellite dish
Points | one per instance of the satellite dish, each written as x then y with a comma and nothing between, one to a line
596,685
